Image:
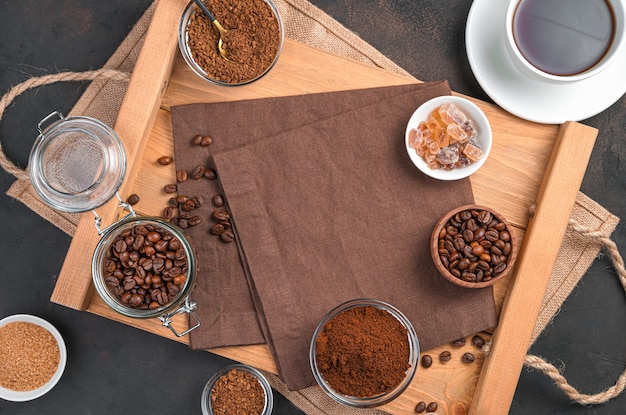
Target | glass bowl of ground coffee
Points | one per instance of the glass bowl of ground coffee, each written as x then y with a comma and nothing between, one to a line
237,389
473,246
253,41
364,353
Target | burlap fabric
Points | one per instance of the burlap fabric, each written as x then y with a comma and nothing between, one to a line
306,23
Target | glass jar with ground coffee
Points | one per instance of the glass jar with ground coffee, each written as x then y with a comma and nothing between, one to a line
142,267
237,389
253,40
364,353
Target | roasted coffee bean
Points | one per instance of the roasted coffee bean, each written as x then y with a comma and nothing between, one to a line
198,200
218,201
165,160
468,357
133,199
168,213
194,220
198,172
445,356
420,407
196,140
484,217
217,229
432,407
478,341
458,342
210,174
221,214
427,361
170,188
181,176
188,206
227,236
183,223
171,202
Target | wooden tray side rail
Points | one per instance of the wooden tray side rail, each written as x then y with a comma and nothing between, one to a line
544,234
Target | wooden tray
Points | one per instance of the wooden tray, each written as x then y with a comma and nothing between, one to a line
532,167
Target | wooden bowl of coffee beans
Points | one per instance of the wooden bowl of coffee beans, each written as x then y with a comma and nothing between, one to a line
473,246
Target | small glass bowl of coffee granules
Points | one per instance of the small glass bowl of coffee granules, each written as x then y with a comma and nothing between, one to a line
364,353
253,41
32,357
237,389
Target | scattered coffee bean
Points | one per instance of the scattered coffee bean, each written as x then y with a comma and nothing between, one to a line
478,341
172,202
181,176
165,160
196,140
170,188
198,172
218,201
468,357
206,141
445,356
210,174
187,206
168,213
198,200
194,220
227,236
427,361
458,342
217,229
432,407
221,214
420,407
132,199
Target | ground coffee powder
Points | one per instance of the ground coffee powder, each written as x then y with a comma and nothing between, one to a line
363,352
252,39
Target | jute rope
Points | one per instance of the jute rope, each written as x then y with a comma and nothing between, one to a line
534,362
7,99
550,370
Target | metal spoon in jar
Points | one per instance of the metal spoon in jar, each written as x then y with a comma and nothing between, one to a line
217,24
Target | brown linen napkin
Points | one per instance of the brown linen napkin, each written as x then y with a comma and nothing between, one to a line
330,209
225,304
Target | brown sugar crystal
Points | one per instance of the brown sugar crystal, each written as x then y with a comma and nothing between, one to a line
363,352
237,392
251,42
29,356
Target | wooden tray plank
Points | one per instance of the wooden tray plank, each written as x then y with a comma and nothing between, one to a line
509,181
538,252
134,124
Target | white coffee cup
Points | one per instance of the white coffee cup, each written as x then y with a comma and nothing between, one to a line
564,32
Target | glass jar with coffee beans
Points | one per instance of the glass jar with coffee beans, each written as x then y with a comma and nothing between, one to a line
142,267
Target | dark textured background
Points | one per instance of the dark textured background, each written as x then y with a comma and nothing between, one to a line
114,369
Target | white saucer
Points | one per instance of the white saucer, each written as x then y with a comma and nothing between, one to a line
533,99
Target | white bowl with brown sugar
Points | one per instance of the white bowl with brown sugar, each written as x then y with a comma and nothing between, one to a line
32,357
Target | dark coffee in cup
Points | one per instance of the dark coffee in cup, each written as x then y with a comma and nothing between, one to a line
564,37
